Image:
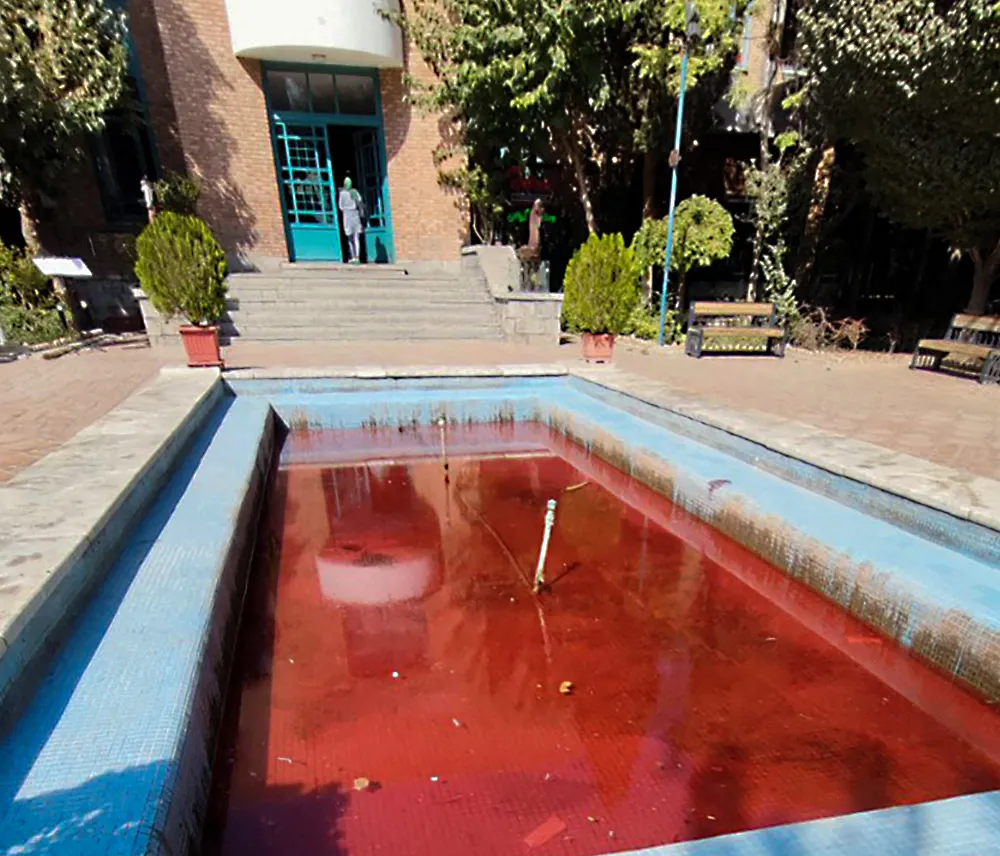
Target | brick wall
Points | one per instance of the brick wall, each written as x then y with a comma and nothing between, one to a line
221,122
427,222
208,116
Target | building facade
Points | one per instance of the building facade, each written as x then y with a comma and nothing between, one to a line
271,105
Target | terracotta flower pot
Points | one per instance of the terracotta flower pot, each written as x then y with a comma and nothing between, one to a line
598,347
201,344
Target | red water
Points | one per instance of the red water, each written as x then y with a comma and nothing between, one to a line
391,635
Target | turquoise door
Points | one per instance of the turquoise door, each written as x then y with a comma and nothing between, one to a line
371,181
326,126
308,192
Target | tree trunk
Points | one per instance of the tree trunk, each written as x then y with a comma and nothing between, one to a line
814,219
758,238
986,269
30,229
649,207
681,294
583,188
30,221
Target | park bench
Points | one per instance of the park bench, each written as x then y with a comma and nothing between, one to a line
736,323
972,342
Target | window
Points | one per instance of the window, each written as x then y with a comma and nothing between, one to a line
123,151
123,156
789,30
321,92
356,94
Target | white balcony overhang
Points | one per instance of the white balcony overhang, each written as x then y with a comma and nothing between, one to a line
332,32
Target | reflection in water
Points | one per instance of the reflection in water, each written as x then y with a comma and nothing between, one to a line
382,557
395,638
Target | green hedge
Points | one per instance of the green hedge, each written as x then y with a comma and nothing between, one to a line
182,268
601,286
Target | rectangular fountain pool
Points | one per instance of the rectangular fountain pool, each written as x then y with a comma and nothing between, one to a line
399,688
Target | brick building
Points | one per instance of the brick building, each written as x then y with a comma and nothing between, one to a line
271,105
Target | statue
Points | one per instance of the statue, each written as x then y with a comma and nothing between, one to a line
531,255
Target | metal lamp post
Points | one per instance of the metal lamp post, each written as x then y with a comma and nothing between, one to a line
691,31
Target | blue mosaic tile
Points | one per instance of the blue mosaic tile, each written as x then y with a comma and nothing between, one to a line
90,764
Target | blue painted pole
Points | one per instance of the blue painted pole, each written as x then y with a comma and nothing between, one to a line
673,195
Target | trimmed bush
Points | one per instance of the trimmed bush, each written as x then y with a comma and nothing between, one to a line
601,286
703,234
182,268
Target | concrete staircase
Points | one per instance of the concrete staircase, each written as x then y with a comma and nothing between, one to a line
316,303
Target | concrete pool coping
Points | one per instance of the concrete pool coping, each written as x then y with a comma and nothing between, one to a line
61,518
148,433
955,492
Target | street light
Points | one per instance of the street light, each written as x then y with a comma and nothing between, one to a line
691,31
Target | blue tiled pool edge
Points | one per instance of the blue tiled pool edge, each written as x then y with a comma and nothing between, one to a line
26,657
194,564
963,826
113,752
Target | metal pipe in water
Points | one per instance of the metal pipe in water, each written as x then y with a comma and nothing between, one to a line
550,519
444,451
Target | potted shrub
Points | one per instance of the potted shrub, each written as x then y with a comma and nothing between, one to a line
601,292
182,269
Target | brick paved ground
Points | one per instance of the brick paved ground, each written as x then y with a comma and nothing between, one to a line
43,403
951,421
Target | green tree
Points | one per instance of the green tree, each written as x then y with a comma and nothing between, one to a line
649,246
703,234
915,85
587,79
655,33
61,69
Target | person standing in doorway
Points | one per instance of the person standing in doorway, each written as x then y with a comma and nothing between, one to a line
352,209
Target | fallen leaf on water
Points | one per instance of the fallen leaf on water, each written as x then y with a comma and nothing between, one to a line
546,832
362,784
566,687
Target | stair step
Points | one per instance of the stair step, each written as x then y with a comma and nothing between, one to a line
374,333
355,298
422,307
387,285
348,274
327,302
368,321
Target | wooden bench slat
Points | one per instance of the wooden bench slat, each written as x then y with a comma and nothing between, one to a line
768,332
950,346
732,309
979,323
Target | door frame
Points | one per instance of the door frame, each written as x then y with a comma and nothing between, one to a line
293,117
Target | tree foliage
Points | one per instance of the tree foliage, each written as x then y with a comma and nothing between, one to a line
182,268
650,244
703,234
61,69
601,286
915,85
178,193
591,80
28,313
